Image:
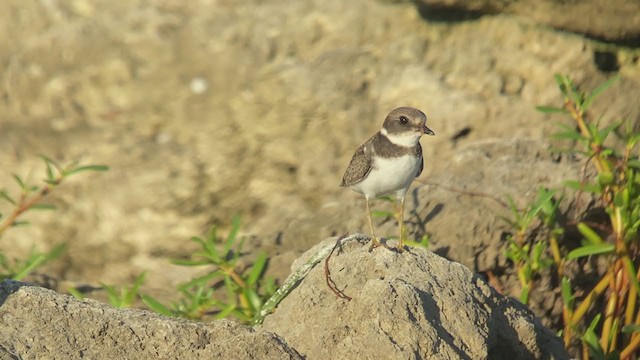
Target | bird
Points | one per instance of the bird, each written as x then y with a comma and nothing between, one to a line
388,162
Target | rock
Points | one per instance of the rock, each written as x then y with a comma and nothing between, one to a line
38,323
413,305
291,90
610,20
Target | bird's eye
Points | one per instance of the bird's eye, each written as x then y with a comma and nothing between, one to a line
404,120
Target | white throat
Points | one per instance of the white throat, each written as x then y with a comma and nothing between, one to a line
406,139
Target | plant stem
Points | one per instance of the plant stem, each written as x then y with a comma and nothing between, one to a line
609,313
631,305
234,275
632,347
578,116
597,290
25,204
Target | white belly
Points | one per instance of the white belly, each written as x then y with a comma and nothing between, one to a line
388,176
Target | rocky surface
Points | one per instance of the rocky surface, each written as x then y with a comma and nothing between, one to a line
413,305
617,20
40,324
204,109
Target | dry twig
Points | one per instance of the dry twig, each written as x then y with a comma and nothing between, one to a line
327,273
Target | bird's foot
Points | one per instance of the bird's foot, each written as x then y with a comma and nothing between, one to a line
374,244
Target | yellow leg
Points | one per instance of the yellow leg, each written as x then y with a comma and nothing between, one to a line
400,217
374,241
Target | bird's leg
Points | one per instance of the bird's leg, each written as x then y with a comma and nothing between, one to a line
374,241
400,217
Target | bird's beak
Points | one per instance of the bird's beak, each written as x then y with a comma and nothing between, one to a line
425,130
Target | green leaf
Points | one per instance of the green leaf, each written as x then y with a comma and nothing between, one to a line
239,249
56,251
114,295
241,316
605,178
631,328
50,175
588,187
133,292
156,306
184,262
197,240
226,311
621,198
598,90
423,242
542,200
634,163
604,133
561,80
524,296
76,293
86,168
381,214
270,286
36,260
253,299
201,280
591,250
591,236
43,207
209,245
567,135
4,195
591,339
567,294
550,109
231,238
50,166
21,183
257,268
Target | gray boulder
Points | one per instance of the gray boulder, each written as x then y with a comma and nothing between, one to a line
38,323
411,305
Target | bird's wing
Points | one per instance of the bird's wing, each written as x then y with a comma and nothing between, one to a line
419,151
360,165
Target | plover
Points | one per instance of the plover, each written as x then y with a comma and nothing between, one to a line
388,162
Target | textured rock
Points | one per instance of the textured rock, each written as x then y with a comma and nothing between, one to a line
36,323
413,305
205,109
612,20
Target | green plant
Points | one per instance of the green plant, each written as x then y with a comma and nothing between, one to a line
20,268
617,187
424,242
123,297
244,287
30,197
529,255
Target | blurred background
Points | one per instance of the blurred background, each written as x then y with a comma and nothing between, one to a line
207,109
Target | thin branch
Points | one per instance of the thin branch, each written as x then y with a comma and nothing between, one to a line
25,204
467,192
327,273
